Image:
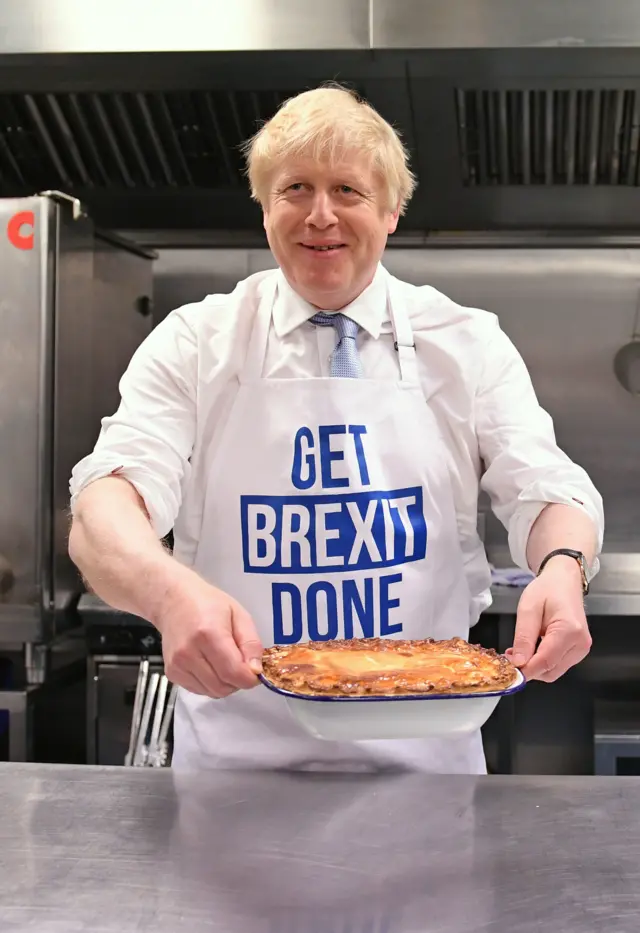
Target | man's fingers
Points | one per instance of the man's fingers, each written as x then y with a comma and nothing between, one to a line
558,652
216,650
194,663
188,681
225,655
213,678
528,625
246,638
549,654
569,660
199,668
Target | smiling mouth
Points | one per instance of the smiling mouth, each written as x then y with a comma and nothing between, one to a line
323,249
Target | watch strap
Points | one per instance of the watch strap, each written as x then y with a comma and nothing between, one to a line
568,552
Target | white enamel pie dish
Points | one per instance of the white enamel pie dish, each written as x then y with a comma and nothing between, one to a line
359,718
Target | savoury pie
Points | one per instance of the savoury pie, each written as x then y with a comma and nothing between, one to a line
386,667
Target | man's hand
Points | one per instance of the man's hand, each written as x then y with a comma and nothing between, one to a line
209,642
551,609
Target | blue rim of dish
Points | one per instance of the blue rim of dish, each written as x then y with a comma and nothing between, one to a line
514,688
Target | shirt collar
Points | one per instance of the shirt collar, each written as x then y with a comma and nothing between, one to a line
368,310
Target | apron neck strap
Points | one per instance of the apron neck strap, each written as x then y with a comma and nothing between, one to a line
402,333
257,350
396,309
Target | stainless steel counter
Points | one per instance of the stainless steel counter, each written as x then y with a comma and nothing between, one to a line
107,850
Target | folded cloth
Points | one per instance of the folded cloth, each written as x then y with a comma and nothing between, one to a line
510,576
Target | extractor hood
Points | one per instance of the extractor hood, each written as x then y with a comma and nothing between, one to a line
518,115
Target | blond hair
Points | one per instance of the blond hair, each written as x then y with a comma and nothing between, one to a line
325,123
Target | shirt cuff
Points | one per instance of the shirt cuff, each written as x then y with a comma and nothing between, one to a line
159,502
526,514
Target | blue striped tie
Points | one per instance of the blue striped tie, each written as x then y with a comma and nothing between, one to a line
345,360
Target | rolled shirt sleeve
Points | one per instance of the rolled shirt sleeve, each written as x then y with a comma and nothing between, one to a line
525,470
150,438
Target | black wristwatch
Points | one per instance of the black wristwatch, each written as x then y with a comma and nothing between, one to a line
578,556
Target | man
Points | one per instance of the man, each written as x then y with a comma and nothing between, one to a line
317,440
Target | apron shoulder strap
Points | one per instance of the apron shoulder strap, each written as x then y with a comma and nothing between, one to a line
402,332
257,350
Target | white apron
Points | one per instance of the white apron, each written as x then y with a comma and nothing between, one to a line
343,526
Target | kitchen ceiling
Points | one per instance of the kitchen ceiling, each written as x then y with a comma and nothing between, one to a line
527,122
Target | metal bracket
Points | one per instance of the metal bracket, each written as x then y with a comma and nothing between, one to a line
78,210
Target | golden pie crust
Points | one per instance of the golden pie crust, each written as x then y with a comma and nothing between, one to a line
386,667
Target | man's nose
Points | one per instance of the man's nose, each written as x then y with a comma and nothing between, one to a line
321,213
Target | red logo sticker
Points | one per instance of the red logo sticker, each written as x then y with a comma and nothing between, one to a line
20,230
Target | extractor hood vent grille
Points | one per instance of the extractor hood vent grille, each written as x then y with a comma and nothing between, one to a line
187,139
549,137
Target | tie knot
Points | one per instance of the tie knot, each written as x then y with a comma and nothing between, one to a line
345,361
345,326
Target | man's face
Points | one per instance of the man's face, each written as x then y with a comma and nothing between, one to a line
314,205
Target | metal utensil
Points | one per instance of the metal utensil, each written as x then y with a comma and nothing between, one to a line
152,747
626,362
159,711
141,686
140,754
153,706
626,365
159,757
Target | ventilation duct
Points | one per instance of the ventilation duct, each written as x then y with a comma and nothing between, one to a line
549,137
517,117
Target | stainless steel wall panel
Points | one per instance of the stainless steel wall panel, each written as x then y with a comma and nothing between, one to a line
486,24
35,26
186,275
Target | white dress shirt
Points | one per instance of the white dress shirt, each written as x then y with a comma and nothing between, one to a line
182,380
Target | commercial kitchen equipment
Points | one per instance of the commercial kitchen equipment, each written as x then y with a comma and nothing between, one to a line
150,850
74,305
75,302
